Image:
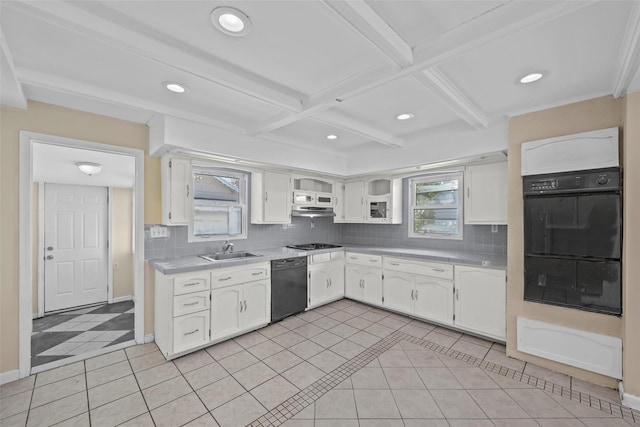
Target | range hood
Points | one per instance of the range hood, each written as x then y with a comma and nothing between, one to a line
312,212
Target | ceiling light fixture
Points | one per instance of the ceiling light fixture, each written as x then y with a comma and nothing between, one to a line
530,78
405,116
174,87
89,168
231,21
332,137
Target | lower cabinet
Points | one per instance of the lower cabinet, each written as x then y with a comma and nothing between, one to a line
363,284
196,309
326,279
480,301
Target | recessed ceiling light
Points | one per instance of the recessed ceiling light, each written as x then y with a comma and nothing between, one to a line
332,136
530,78
405,116
230,21
174,87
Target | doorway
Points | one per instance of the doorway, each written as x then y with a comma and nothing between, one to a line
67,257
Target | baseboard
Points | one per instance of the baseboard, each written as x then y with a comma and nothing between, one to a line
149,338
629,400
122,299
7,377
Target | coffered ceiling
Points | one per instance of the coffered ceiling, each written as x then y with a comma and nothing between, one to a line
310,68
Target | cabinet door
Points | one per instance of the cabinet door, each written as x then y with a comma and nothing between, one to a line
318,285
179,191
372,285
480,300
398,291
190,331
277,202
257,304
486,194
353,282
433,299
225,311
338,202
354,202
336,280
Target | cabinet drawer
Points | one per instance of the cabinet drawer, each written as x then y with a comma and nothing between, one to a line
190,331
362,259
248,273
190,303
433,269
191,283
326,257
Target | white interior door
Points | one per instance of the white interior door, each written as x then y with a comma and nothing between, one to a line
75,246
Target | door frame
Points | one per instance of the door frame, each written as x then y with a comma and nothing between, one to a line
109,258
25,320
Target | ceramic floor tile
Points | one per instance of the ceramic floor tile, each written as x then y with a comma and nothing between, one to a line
424,359
59,389
204,421
394,359
469,423
289,339
303,375
473,378
500,358
254,375
310,316
118,411
58,410
113,390
325,310
147,361
457,404
578,409
193,361
506,382
522,422
265,349
17,420
238,361
440,339
105,360
355,310
416,404
379,330
327,361
403,378
165,392
376,404
88,347
273,392
299,423
108,373
369,379
239,412
607,422
345,385
347,349
292,322
341,316
374,316
250,339
19,386
471,348
326,339
538,404
476,340
206,375
364,339
336,404
179,412
497,404
81,420
604,393
438,379
58,374
326,323
414,331
87,336
343,330
548,375
223,349
381,423
306,349
393,322
143,420
139,350
220,392
273,331
157,375
282,361
425,423
560,422
309,330
358,323
15,404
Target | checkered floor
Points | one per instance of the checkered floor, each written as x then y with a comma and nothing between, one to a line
67,334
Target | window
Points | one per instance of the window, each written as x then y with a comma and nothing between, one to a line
219,204
435,206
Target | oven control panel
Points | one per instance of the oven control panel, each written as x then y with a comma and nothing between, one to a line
573,182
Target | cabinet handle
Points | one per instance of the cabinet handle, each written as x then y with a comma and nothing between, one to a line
457,294
373,260
330,282
394,263
266,196
192,332
191,284
257,274
240,306
190,303
364,282
411,293
245,305
187,190
353,257
224,279
416,294
439,270
327,283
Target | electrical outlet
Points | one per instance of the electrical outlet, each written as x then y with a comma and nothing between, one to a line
494,228
157,231
116,266
313,224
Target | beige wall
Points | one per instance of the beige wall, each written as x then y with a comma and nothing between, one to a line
631,245
584,116
59,121
121,244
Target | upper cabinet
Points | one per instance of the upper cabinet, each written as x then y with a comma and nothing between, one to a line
354,202
384,200
486,194
270,198
177,190
313,191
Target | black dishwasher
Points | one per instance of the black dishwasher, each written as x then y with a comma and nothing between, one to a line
288,287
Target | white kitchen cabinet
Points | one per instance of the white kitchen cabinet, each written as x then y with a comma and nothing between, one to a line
177,191
419,288
486,194
339,202
326,278
383,202
363,278
480,300
313,191
190,331
354,202
239,308
270,198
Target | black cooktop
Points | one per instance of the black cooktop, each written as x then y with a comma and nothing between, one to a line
313,246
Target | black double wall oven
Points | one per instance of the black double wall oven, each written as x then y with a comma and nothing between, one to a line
572,239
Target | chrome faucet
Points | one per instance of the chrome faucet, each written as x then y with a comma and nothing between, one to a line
226,246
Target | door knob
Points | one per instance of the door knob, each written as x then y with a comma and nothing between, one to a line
49,256
49,248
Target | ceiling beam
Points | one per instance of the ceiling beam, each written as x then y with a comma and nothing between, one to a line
340,121
106,26
454,98
628,61
359,16
11,91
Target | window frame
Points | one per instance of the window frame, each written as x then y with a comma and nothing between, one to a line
412,206
243,176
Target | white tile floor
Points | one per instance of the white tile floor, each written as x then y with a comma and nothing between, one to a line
345,364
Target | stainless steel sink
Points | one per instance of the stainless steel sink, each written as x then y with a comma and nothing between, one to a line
221,256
